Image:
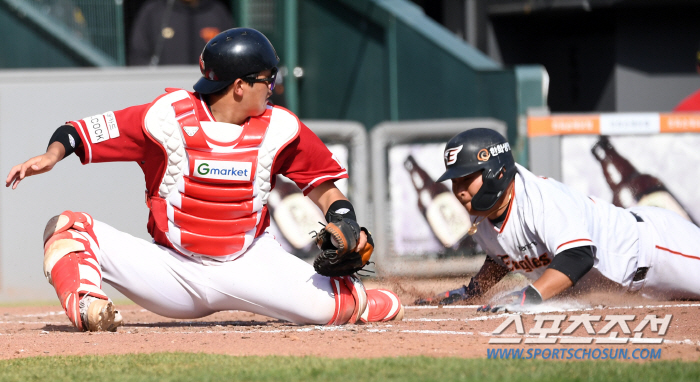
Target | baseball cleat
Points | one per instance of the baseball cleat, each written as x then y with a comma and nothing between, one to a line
446,298
99,315
382,305
488,309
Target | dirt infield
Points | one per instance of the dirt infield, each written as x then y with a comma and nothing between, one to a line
457,331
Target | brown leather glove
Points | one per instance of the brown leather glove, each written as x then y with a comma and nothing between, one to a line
337,242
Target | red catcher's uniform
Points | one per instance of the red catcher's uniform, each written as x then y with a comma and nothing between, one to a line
208,214
207,185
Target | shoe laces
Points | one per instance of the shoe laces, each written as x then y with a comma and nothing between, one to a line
83,305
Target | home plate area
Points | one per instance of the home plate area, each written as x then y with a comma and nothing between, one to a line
612,323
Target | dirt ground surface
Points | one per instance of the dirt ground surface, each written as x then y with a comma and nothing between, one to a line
454,331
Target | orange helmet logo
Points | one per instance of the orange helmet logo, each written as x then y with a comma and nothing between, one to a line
483,155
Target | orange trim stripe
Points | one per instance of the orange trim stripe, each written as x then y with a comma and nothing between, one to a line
572,241
510,207
678,253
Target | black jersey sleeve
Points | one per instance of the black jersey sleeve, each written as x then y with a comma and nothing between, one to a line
574,262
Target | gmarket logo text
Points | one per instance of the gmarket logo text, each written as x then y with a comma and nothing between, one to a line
224,170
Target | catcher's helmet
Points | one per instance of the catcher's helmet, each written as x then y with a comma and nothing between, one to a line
233,54
476,150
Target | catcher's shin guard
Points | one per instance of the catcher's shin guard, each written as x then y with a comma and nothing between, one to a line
350,300
382,305
70,265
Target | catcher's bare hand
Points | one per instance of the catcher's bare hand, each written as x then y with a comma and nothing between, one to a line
34,166
361,242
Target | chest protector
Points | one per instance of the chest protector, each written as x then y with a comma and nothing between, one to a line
212,194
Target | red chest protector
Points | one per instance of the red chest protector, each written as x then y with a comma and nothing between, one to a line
216,205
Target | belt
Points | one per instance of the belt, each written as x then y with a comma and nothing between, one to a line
640,274
637,217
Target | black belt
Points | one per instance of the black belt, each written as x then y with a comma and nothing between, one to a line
641,272
639,218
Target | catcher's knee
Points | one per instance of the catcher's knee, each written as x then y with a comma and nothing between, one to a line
62,236
79,221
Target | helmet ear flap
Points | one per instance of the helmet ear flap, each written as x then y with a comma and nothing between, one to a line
494,185
485,199
502,172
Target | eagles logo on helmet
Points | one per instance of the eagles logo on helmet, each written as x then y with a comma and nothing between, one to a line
451,155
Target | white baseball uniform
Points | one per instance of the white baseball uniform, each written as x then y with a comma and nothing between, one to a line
546,217
207,185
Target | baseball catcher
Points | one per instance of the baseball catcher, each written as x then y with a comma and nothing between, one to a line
210,159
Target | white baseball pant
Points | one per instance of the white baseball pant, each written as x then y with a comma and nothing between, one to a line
265,280
670,248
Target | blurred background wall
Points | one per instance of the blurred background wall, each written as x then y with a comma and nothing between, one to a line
600,54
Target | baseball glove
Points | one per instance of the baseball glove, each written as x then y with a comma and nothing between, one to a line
337,241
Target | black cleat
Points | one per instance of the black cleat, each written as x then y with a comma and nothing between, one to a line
447,298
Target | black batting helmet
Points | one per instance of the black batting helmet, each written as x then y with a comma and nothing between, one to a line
476,150
233,54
